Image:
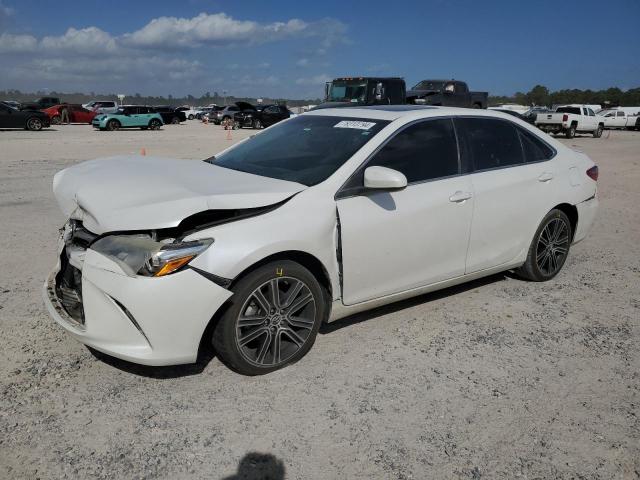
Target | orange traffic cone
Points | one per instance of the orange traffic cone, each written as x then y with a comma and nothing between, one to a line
143,151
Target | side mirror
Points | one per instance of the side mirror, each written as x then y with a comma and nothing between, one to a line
379,91
383,178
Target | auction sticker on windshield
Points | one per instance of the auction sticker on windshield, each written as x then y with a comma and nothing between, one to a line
354,124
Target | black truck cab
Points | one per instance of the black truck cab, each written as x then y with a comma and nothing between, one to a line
361,91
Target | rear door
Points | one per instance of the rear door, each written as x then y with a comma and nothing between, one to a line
393,241
511,196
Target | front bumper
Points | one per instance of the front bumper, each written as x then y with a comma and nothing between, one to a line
151,321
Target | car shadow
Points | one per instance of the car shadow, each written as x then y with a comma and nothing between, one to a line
259,466
328,328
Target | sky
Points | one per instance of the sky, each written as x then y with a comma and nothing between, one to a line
288,49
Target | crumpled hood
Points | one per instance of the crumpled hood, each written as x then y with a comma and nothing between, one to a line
143,193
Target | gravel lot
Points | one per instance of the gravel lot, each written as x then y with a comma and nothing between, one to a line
499,378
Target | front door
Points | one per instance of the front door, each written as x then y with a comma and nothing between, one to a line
393,241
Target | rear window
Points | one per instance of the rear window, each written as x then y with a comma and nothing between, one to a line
535,150
492,143
575,110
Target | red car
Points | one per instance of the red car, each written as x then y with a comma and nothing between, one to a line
77,113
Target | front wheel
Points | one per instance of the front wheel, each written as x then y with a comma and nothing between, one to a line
34,124
113,125
273,319
154,124
55,120
598,132
175,121
190,117
549,248
257,124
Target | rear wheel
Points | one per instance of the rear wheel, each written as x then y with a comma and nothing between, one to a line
55,120
175,120
34,124
190,117
273,319
257,123
571,132
113,125
154,124
549,248
598,131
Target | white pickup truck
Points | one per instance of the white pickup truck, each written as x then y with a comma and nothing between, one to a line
620,119
570,120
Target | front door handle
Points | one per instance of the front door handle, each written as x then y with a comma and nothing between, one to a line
460,196
545,177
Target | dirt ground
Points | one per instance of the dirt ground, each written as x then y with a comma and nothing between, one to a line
499,378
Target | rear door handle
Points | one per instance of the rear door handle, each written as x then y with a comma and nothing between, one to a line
460,197
545,177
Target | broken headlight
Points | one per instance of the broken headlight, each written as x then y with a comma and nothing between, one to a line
141,255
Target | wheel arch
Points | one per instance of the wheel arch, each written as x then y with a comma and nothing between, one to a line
570,211
307,260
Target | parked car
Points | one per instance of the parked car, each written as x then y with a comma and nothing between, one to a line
261,116
209,113
77,113
513,113
532,114
102,106
452,93
633,122
129,116
190,112
321,216
170,115
11,117
571,119
40,103
226,113
12,103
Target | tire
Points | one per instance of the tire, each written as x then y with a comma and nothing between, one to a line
598,132
236,125
288,326
549,248
175,120
257,124
113,125
154,124
191,117
571,132
55,120
477,105
34,124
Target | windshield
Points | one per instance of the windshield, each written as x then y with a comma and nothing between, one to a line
306,149
429,85
344,91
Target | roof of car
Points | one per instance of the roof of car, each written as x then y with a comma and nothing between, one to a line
393,112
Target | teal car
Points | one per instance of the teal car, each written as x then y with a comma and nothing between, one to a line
129,116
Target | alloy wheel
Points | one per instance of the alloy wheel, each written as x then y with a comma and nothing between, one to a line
553,245
35,124
275,321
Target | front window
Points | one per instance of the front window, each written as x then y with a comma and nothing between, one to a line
574,110
348,91
307,149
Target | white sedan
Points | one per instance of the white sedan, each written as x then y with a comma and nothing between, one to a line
321,216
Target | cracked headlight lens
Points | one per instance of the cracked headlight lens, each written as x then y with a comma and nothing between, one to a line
141,255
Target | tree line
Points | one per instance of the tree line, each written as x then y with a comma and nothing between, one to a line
540,95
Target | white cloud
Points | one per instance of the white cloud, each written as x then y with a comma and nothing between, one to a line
303,62
17,43
88,41
210,29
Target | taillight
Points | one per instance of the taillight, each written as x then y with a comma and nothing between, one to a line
593,173
565,117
